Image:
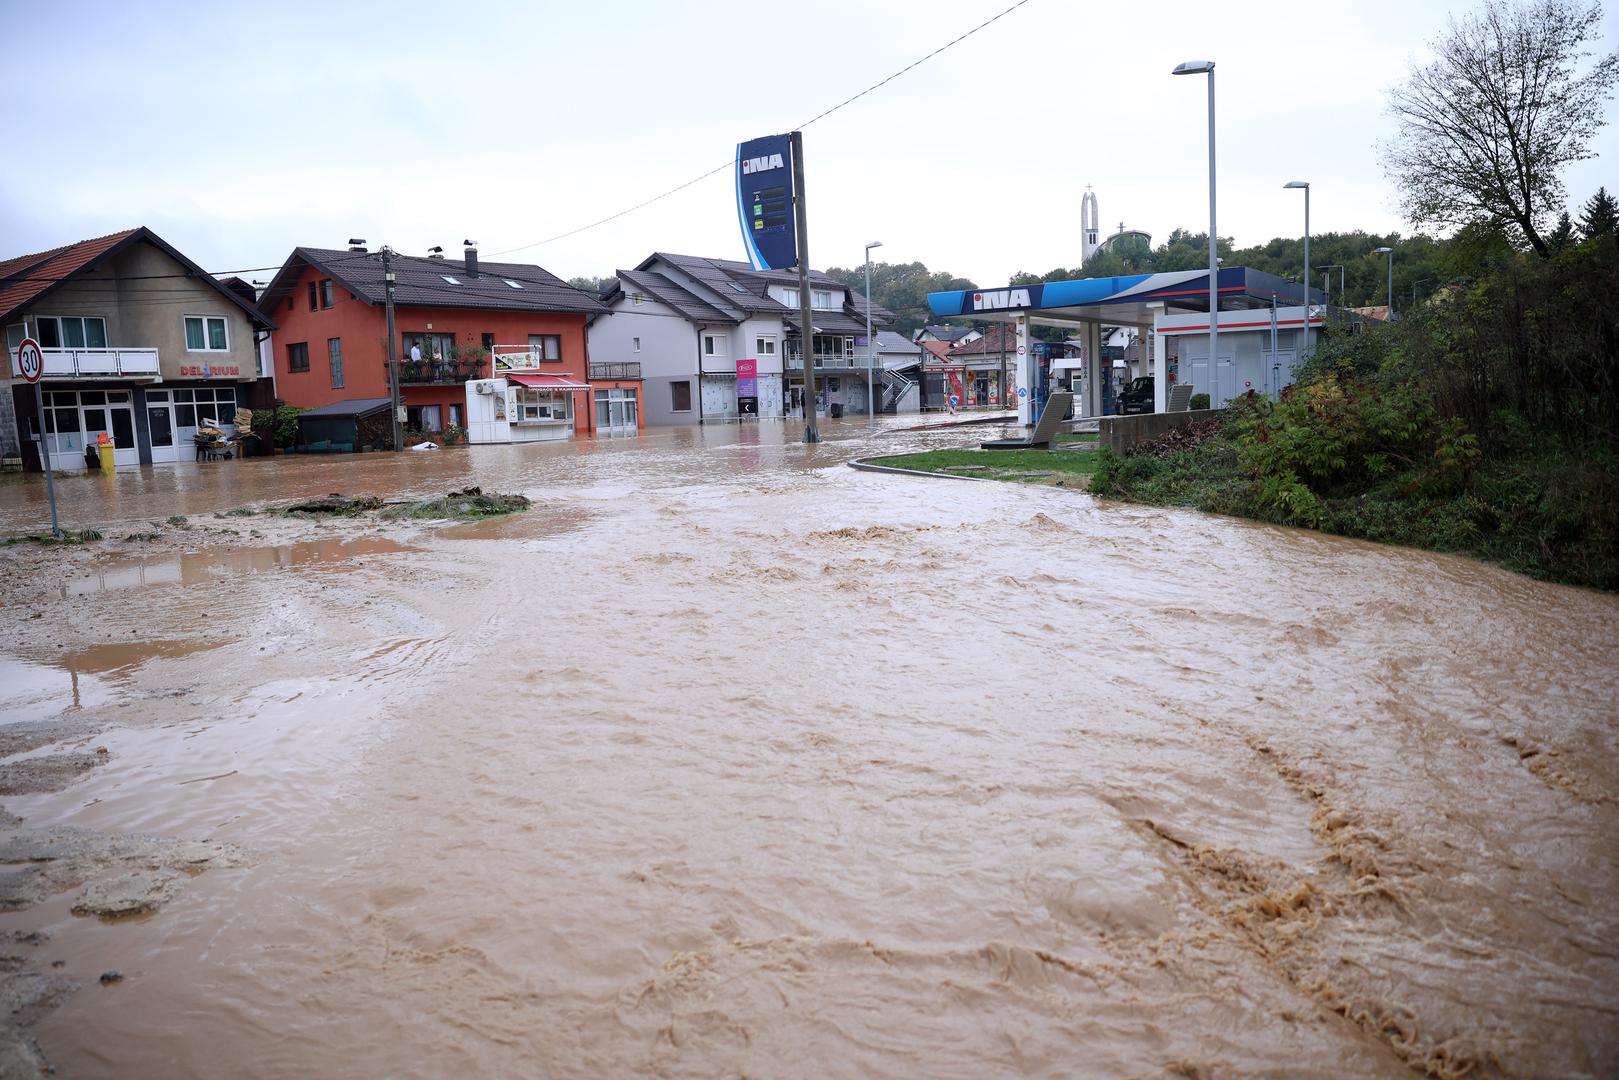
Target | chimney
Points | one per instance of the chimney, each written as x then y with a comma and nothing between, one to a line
357,246
472,257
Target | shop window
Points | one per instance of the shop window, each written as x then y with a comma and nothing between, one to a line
680,397
206,333
543,405
298,356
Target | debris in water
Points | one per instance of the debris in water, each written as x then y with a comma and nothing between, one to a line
110,977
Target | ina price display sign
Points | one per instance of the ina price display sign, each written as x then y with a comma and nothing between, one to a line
764,202
30,361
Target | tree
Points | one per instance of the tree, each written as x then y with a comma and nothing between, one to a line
1600,216
1562,236
591,285
1485,130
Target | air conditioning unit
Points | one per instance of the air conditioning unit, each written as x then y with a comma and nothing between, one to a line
487,387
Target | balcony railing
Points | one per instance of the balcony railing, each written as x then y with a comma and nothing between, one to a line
833,360
439,372
100,363
614,370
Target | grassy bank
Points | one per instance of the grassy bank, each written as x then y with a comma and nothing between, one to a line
1485,424
1065,468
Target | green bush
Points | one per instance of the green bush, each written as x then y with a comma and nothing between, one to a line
1198,401
278,425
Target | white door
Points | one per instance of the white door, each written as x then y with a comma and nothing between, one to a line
160,427
112,412
719,396
616,412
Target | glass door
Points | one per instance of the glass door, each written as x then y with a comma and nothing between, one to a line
160,425
616,412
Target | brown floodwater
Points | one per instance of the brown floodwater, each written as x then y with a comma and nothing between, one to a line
729,760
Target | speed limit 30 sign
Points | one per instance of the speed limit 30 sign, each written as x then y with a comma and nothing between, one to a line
30,362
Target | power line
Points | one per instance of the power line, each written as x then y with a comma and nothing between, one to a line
728,164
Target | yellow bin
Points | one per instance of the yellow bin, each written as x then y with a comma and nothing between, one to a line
106,449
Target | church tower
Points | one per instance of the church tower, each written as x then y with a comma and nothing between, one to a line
1090,225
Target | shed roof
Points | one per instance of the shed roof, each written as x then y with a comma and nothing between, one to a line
347,407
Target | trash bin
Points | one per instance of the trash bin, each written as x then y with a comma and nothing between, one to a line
106,449
837,410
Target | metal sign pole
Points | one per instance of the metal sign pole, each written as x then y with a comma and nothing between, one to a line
45,459
31,358
806,327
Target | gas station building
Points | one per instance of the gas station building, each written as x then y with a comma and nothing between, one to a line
1255,310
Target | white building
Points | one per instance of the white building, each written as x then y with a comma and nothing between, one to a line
720,341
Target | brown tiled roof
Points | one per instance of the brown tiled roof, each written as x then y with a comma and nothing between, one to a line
27,278
998,338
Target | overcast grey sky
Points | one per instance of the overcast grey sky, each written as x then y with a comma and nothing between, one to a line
237,131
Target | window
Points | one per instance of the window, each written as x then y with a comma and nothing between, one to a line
327,297
71,332
789,297
450,279
716,345
314,297
821,299
206,333
680,397
765,345
436,348
635,344
334,356
543,405
545,347
298,356
512,283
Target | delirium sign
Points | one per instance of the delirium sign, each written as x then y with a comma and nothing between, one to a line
764,202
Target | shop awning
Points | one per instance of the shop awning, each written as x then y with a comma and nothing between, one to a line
548,382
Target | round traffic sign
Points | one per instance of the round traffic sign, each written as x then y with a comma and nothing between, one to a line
30,362
1023,391
954,401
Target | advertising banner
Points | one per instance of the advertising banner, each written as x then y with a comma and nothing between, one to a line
747,378
764,202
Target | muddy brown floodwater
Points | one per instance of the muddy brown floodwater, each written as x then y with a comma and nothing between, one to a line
729,760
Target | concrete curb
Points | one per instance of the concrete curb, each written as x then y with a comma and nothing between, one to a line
865,465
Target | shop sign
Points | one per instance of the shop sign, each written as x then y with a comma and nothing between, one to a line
747,378
764,201
210,371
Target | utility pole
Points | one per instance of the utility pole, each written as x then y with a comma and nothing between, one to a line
806,324
393,346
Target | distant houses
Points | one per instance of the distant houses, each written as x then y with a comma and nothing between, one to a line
719,341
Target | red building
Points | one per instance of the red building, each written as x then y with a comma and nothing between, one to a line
450,316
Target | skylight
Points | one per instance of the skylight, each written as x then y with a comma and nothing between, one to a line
450,279
512,283
735,286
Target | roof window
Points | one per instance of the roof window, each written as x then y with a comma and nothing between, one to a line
450,279
512,283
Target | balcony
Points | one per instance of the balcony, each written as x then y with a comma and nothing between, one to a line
439,372
101,364
627,370
794,360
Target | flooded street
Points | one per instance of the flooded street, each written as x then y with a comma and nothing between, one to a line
726,759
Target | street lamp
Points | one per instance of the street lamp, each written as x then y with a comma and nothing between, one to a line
1390,253
1414,285
871,378
1305,184
1206,67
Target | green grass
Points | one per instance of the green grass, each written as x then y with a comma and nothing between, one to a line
1078,437
1065,468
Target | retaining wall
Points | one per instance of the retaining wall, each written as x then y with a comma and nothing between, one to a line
1120,433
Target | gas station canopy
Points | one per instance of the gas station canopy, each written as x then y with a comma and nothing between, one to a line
1131,300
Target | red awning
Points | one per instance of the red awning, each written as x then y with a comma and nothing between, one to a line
548,382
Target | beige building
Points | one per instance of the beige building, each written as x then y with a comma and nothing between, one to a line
139,342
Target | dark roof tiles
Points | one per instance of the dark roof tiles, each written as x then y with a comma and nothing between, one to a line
421,282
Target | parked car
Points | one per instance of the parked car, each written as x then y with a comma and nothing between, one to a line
1137,397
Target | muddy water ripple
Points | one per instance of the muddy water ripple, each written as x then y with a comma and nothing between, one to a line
725,761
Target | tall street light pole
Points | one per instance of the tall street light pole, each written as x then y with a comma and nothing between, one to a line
871,346
1390,253
1326,282
1206,67
1304,342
